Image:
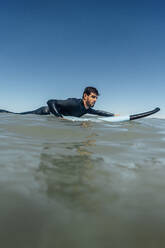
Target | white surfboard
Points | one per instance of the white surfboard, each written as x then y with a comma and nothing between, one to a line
116,118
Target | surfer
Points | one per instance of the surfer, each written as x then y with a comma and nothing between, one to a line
71,106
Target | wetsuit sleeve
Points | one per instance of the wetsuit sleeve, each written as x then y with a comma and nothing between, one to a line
53,108
99,112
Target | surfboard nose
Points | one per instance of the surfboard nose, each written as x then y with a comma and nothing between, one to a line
157,109
145,114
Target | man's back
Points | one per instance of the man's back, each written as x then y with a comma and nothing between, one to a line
68,107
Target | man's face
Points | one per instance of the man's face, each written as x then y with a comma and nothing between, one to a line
90,100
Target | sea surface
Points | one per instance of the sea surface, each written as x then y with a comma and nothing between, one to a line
81,184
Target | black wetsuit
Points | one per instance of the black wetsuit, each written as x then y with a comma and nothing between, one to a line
68,107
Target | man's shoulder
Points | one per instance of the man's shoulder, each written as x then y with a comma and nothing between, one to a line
90,110
74,100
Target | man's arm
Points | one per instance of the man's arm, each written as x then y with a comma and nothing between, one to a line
53,109
99,112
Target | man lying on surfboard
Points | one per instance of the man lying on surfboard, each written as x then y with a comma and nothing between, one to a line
71,106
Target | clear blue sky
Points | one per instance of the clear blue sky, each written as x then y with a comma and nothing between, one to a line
53,49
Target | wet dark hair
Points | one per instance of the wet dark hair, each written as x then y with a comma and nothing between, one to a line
89,90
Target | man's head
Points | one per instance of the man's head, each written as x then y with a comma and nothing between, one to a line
90,96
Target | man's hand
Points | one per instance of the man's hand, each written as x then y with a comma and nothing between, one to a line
117,115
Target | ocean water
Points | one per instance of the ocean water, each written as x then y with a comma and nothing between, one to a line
81,184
